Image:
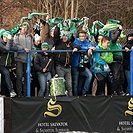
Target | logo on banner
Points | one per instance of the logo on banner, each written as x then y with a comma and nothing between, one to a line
130,107
54,109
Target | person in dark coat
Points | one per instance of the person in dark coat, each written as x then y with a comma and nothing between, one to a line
126,61
63,59
6,43
44,66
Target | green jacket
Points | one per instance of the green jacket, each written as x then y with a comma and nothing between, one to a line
116,46
106,56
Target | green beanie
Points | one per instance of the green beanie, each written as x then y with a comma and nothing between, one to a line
44,45
27,24
6,33
2,31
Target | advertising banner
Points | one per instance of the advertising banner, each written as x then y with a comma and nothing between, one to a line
66,114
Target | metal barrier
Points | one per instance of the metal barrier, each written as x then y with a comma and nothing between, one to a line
29,64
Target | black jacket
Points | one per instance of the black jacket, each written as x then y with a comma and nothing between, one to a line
5,57
63,58
126,55
41,61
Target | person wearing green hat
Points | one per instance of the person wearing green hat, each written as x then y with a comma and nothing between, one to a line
23,41
44,65
1,32
26,24
6,43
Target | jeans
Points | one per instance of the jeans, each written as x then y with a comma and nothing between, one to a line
88,79
43,78
127,74
75,80
75,76
6,73
20,72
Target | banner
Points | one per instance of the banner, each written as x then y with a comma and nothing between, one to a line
1,115
66,114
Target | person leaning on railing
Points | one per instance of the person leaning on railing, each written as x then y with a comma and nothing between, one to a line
100,67
44,65
80,63
23,41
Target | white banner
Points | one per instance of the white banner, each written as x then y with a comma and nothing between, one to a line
1,115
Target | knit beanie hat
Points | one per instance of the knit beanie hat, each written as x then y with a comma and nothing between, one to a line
6,33
44,45
2,31
27,24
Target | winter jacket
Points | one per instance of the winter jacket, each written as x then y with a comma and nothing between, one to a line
41,61
5,57
23,41
126,55
100,59
114,45
83,46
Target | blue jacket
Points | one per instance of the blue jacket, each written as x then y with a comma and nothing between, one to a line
76,56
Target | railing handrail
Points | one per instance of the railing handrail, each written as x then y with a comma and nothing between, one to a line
52,51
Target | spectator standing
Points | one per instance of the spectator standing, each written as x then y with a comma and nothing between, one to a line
35,82
63,59
117,65
24,41
126,61
6,43
84,45
100,67
44,66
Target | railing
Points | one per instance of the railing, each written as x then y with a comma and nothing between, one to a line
29,64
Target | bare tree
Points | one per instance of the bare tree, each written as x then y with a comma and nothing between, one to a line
13,10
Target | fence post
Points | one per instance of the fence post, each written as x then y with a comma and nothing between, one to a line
131,72
28,73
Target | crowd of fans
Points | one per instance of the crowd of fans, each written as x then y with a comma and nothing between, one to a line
77,69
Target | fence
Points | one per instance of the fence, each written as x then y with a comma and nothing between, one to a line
29,64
